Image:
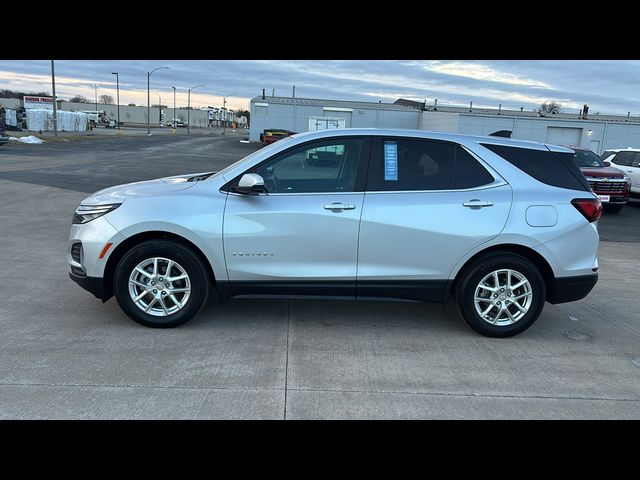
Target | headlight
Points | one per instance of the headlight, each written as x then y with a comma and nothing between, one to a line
86,213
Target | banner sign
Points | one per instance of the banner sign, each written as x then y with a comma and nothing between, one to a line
38,102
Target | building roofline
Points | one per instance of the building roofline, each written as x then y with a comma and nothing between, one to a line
320,102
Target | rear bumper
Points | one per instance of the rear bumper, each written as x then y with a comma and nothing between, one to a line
94,285
570,289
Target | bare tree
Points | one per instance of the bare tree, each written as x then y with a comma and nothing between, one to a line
79,99
550,107
106,99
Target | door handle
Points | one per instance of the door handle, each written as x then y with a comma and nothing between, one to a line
477,203
339,206
630,171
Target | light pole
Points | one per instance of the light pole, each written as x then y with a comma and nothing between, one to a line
117,96
224,111
189,108
95,86
149,99
173,120
55,106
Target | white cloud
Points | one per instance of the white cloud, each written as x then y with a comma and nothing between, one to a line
478,71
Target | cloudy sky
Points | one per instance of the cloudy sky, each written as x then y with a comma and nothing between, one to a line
611,87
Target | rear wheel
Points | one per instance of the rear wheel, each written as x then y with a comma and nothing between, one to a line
501,295
613,208
161,283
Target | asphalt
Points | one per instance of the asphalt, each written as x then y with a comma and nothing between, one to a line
64,354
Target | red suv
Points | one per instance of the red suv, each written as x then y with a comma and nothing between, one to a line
273,135
610,184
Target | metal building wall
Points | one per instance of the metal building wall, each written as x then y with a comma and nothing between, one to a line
296,117
594,134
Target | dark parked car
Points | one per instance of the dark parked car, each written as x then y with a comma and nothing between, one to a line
610,184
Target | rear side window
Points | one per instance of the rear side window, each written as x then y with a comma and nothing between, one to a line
409,164
624,158
553,168
469,172
413,164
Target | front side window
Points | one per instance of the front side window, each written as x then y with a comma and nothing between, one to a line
606,154
320,167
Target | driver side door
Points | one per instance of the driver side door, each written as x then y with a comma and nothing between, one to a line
299,236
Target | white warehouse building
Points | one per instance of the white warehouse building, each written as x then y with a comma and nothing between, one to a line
593,131
304,114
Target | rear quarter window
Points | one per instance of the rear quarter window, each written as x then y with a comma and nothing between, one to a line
552,168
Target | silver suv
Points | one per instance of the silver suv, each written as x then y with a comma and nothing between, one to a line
499,225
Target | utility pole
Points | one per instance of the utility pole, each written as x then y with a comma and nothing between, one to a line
224,111
174,119
189,108
95,86
55,106
117,96
149,99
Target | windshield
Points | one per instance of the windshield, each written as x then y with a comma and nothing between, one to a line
586,158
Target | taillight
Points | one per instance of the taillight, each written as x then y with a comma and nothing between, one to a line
591,208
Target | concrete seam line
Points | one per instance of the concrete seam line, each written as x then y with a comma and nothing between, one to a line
149,387
468,395
611,318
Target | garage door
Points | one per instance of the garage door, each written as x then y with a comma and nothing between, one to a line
564,136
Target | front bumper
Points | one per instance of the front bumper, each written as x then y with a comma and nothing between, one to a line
93,236
94,285
570,289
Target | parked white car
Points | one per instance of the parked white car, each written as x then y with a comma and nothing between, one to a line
627,160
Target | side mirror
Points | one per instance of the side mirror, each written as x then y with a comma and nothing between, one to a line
250,183
607,164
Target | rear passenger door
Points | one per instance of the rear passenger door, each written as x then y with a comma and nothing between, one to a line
426,204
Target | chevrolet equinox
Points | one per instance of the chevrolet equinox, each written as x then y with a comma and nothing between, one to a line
498,225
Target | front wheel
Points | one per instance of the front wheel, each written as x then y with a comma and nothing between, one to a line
501,295
161,284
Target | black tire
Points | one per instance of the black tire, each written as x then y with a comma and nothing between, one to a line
171,250
613,208
473,274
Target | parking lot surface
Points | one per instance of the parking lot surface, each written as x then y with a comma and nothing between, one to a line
64,354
